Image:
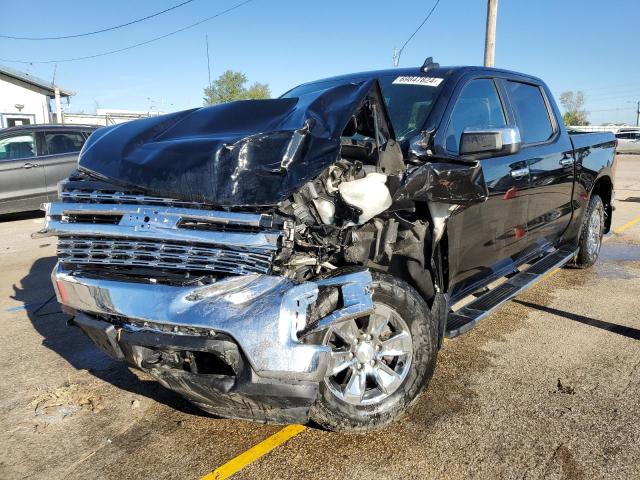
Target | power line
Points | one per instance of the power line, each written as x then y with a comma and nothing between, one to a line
397,54
110,52
608,87
613,109
620,91
86,34
609,98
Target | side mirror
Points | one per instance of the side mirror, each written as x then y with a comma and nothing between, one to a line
490,142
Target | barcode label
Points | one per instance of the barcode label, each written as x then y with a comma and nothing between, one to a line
424,81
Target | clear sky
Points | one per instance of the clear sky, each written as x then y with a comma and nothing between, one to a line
587,45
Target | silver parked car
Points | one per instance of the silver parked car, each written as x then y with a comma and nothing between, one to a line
33,159
628,141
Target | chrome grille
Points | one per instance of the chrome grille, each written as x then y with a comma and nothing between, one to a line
104,196
164,238
160,254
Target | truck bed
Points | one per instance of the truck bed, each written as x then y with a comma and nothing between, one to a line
591,139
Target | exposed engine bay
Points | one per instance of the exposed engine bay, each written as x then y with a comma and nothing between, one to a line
343,218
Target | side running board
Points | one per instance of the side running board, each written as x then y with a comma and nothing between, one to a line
468,316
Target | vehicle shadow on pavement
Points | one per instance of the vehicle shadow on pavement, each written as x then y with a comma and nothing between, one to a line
12,217
629,332
37,294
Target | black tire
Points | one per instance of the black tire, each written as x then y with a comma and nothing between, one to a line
334,414
593,219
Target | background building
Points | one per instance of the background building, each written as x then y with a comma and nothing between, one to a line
25,99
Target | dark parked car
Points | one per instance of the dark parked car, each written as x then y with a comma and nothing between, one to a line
33,159
304,257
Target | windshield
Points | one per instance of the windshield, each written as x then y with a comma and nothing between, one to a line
408,104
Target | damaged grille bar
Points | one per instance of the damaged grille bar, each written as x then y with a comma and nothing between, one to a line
89,251
102,196
135,222
169,215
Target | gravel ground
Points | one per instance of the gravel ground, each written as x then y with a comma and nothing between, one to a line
547,387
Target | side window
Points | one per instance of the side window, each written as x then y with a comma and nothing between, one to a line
535,123
478,106
14,147
63,142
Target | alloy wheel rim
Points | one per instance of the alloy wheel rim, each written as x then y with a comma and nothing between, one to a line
370,357
594,233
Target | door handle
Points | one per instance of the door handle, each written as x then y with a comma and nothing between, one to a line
566,162
30,165
520,172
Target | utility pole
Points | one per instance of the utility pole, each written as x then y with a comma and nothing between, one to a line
490,37
56,90
638,114
59,118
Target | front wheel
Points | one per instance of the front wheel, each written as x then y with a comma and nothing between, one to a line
379,363
591,233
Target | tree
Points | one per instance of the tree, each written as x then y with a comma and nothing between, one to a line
573,104
230,86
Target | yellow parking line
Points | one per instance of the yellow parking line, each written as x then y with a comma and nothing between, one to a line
238,463
627,225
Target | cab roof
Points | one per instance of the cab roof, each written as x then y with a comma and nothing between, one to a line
444,72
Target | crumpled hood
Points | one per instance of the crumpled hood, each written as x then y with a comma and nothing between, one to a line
252,152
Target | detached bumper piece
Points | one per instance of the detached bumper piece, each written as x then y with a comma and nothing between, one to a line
233,348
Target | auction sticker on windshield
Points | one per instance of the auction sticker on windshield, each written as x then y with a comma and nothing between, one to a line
416,80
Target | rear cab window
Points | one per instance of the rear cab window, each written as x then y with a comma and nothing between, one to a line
17,146
63,142
531,110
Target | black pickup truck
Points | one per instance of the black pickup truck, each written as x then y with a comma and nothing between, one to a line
304,257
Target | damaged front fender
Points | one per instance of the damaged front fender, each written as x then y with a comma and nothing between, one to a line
460,183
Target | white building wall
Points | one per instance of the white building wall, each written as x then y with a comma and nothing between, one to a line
83,119
34,103
106,117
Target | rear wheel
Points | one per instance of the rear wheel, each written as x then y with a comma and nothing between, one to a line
591,233
379,363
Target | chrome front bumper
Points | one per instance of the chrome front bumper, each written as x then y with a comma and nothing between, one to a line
262,313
